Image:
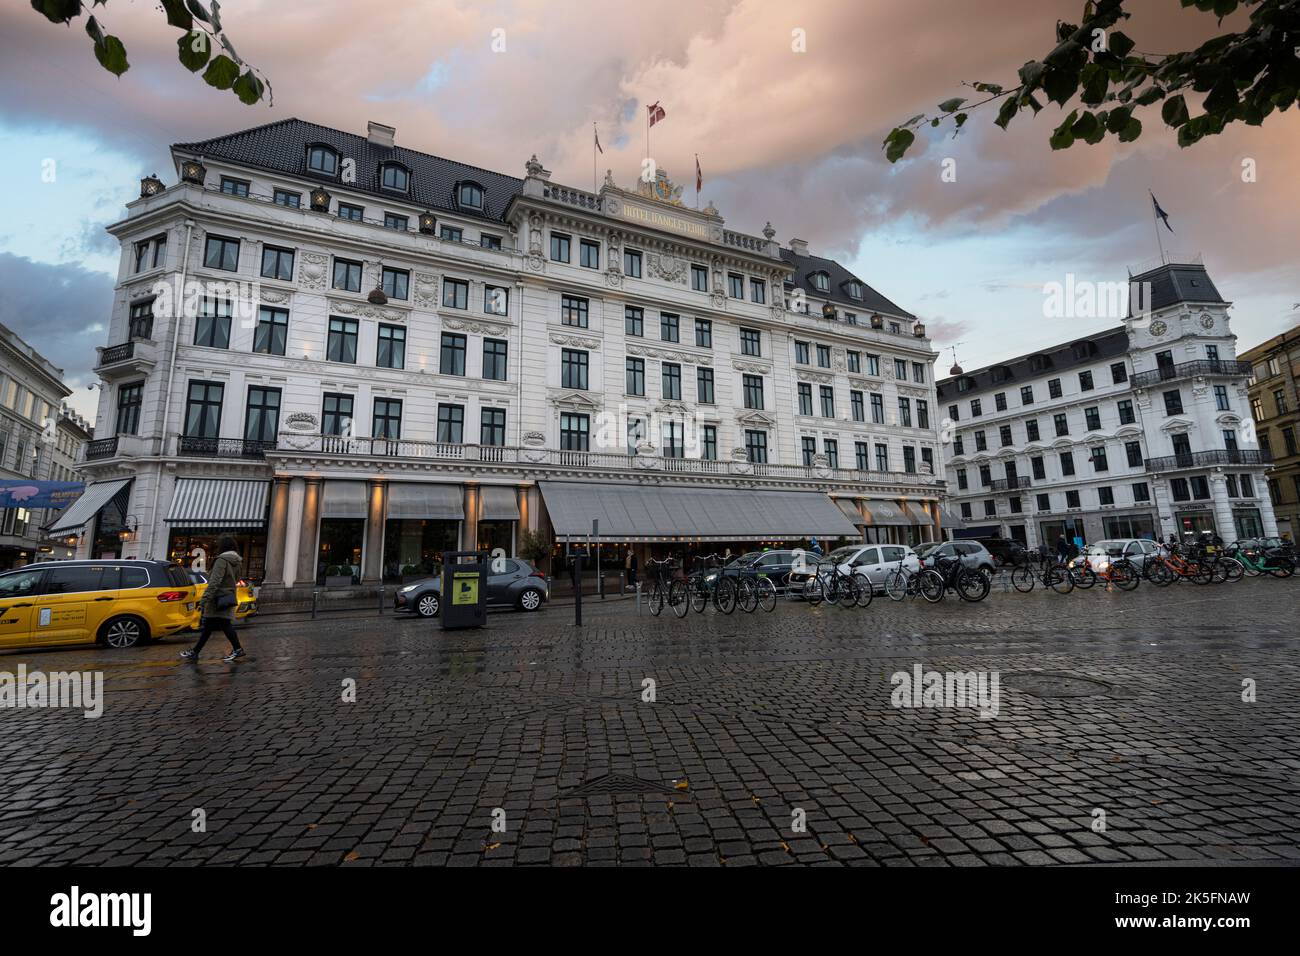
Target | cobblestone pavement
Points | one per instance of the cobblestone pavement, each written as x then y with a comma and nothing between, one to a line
1125,704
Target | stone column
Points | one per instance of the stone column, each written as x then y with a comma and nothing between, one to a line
372,565
310,531
469,528
1167,524
1222,508
1267,517
277,526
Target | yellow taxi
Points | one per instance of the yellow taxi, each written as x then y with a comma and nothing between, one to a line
246,607
112,602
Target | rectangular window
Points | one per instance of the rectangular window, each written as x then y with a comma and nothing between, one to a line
699,278
801,353
492,426
262,416
862,457
1054,388
753,389
756,446
1173,402
1067,463
489,241
1105,495
1133,453
857,406
451,358
221,253
905,413
455,294
809,447
450,233
1141,492
1038,468
976,409
1061,423
396,283
1126,413
393,221
560,244
285,198
1200,488
709,443
877,409
873,364
674,445
212,324
573,368
1031,429
1092,418
757,291
203,409
336,414
387,419
347,275
1085,381
735,285
1044,502
1099,459
918,372
1072,499
575,432
671,376
1118,373
909,459
805,398
496,300
1000,401
1026,395
900,370
1179,490
451,424
703,333
855,361
632,263
823,356
349,211
1221,398
494,359
234,187
1004,435
271,337
588,254
130,398
751,342
573,311
669,327
981,442
390,352
827,401
704,385
277,263
633,321
634,370
342,343
882,457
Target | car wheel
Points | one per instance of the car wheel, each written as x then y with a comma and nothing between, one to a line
530,600
120,633
427,605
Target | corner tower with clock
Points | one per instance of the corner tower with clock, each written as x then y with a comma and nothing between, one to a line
1206,465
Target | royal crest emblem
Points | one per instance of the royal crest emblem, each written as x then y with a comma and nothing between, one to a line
661,189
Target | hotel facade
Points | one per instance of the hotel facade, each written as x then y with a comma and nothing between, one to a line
358,356
1139,431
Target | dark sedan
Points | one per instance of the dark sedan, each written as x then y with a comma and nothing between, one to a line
515,583
775,565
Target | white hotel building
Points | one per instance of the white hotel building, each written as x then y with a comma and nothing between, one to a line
1138,431
422,355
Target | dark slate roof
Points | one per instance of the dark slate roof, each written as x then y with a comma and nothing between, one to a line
1174,283
281,147
840,277
1109,344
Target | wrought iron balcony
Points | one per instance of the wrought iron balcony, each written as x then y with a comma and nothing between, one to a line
1214,456
101,448
1197,369
224,447
116,353
1008,484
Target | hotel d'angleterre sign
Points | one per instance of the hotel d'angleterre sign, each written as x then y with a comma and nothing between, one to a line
663,209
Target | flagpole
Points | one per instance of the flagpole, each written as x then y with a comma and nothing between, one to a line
697,180
593,156
1155,222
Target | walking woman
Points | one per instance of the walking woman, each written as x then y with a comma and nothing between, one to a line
217,612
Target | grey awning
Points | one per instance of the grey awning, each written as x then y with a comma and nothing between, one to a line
648,513
850,508
949,516
219,503
886,513
498,504
85,508
441,502
343,499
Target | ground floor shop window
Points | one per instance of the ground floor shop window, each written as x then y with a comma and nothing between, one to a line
1130,526
1072,528
189,547
1247,524
1194,522
340,548
109,525
497,534
413,547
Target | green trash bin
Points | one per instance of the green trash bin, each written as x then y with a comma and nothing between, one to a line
464,589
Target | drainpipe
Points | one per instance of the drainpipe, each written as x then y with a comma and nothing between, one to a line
171,373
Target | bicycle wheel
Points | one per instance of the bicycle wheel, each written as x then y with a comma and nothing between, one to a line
746,596
1059,579
814,590
866,591
765,591
1159,574
1232,569
699,594
896,585
1022,578
932,586
1202,573
972,585
679,597
657,599
1281,567
850,591
724,595
1251,570
1124,576
1084,577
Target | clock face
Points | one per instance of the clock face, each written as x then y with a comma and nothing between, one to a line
1207,321
1158,328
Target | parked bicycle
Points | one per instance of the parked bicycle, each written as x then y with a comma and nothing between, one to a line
904,582
970,584
660,575
1048,573
834,586
699,588
1273,561
1168,565
1118,572
754,589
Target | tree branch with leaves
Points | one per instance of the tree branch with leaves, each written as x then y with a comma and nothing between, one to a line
1244,77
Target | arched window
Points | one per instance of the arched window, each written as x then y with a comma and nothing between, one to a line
395,177
471,195
322,159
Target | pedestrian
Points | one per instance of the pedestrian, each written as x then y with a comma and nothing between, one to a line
629,565
1062,549
217,610
814,547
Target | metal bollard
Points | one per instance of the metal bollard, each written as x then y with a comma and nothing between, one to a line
638,597
315,597
381,600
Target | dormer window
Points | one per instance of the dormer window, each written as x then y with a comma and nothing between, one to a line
821,281
323,160
395,177
1040,363
855,290
470,195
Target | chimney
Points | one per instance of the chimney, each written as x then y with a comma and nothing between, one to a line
379,134
799,247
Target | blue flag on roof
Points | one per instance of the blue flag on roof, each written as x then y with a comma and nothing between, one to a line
1160,213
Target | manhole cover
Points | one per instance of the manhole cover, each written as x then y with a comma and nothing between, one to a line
1057,685
618,783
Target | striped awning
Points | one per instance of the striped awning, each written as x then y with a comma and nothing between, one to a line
949,517
85,508
219,503
439,502
498,503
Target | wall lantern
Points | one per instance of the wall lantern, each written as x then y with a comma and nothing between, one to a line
427,222
193,171
828,312
132,525
877,322
320,199
151,186
918,330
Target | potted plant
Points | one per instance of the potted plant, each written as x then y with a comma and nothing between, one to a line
533,547
411,573
338,576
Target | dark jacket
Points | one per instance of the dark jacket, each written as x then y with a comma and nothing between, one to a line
224,577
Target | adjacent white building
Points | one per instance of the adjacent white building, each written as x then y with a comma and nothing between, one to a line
1141,430
359,356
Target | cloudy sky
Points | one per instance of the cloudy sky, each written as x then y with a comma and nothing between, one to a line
783,135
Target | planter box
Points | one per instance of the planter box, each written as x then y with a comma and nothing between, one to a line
338,581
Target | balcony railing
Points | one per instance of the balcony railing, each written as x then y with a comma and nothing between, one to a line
101,448
117,353
224,447
1200,368
1215,456
1008,484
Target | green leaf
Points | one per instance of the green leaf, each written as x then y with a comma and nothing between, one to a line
1118,119
952,105
58,11
108,49
960,119
1094,79
221,72
248,88
992,88
199,11
193,60
177,15
1174,112
1031,73
897,142
1223,97
1086,127
1060,83
1008,109
1132,131
1063,137
1150,95
1119,44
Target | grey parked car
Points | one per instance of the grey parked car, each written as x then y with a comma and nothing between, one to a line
515,584
973,554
